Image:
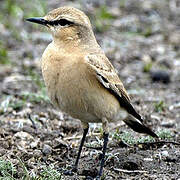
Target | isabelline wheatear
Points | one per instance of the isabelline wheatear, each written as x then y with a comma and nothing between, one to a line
80,79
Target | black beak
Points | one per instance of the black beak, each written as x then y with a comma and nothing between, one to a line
38,20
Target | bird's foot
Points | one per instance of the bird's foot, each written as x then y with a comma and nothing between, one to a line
98,177
67,172
70,172
91,178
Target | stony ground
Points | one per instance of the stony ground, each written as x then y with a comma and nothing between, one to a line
142,40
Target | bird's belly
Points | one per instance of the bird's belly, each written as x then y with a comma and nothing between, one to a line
89,104
79,95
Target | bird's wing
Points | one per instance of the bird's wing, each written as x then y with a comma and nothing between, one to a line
108,77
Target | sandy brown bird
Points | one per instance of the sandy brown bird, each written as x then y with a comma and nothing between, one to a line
80,79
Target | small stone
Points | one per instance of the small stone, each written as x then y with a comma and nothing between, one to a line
174,38
2,151
23,135
168,124
155,117
174,106
160,76
24,112
146,58
160,49
37,153
148,159
165,153
47,149
34,144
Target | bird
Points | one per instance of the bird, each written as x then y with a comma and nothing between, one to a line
80,79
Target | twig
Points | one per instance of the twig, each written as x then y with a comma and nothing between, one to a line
32,120
159,142
96,148
129,171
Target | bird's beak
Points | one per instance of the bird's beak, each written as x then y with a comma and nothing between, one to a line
38,20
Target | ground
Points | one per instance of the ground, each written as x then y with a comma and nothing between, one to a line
142,40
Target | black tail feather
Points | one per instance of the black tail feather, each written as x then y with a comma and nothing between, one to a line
138,126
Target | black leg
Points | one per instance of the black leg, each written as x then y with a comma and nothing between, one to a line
105,137
80,149
75,167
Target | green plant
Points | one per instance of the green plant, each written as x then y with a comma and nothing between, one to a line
101,19
13,8
147,31
36,78
125,137
145,139
39,96
11,102
165,134
35,97
147,67
4,59
103,13
26,172
32,7
159,106
13,13
7,170
49,173
122,3
35,8
129,139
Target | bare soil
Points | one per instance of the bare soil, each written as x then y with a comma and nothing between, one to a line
142,40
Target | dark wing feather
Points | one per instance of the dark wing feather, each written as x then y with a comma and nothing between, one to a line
122,98
108,77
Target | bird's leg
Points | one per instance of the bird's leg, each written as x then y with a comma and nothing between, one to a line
105,137
75,167
80,149
105,125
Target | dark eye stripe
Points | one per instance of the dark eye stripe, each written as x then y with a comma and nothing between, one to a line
62,22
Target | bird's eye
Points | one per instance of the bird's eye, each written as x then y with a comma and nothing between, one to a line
61,22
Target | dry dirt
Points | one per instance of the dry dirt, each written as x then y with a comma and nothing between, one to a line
142,40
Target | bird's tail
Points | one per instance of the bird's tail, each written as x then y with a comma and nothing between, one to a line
138,126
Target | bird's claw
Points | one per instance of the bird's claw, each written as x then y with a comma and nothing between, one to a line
91,178
97,177
70,172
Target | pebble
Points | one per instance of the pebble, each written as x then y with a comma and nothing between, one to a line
2,151
174,106
47,149
165,153
23,135
160,76
175,38
148,159
168,124
37,153
34,143
146,58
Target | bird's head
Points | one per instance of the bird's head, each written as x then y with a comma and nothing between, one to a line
66,23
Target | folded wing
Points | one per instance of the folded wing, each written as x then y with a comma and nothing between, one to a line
107,76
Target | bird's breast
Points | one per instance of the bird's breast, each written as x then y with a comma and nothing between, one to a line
76,91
